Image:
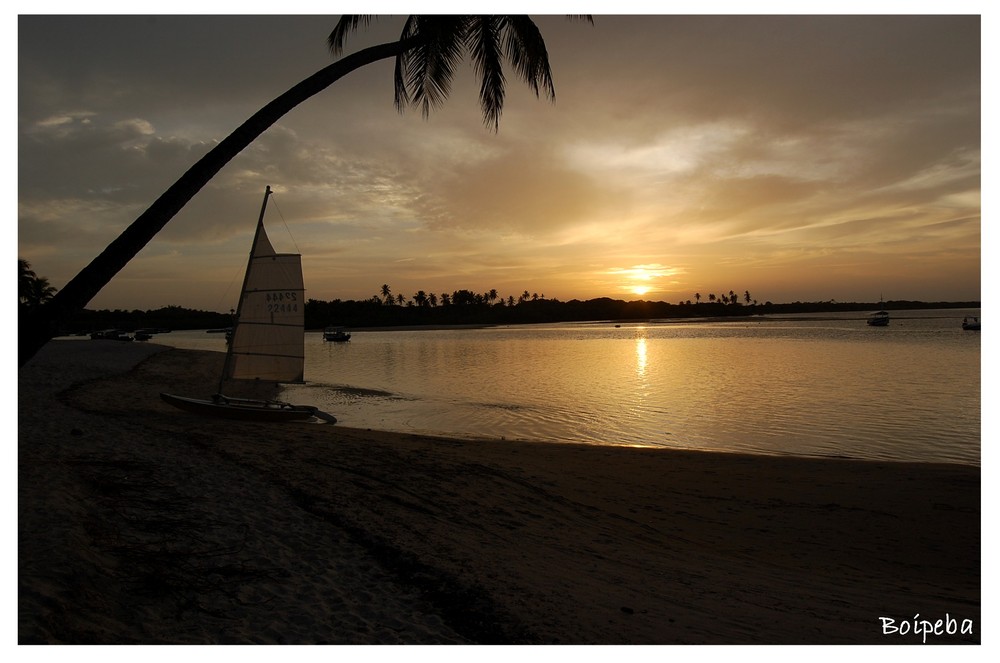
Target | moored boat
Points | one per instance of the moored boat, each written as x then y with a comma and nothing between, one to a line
110,335
971,324
336,335
879,318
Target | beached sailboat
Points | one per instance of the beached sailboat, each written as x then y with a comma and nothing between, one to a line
268,341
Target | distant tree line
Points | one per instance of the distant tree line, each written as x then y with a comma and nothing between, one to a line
460,307
468,307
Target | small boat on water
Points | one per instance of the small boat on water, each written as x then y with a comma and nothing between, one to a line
110,335
970,324
879,318
268,338
336,335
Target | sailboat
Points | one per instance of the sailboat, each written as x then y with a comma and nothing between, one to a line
879,318
268,339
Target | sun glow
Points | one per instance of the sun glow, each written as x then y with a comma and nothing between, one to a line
640,279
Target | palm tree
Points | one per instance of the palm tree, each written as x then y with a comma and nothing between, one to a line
386,294
25,280
426,53
697,297
32,290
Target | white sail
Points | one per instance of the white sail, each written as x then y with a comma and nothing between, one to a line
268,341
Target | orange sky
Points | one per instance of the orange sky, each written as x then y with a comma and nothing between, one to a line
800,158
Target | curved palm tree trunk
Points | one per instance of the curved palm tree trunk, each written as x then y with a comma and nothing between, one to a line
37,328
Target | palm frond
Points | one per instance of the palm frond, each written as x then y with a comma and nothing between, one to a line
427,70
527,54
402,95
424,71
483,41
346,25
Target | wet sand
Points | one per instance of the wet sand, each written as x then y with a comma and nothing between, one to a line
139,523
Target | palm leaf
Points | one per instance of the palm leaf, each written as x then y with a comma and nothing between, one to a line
527,54
428,69
483,41
346,25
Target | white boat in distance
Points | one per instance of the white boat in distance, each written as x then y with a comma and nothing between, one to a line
268,338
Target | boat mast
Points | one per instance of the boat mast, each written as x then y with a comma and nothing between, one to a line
246,277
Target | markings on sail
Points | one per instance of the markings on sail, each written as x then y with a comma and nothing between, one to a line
278,301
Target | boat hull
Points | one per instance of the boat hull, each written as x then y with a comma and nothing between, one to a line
336,335
880,319
245,410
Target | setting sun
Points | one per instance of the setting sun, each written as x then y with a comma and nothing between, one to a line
641,279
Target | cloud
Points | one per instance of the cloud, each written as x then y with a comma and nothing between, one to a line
707,143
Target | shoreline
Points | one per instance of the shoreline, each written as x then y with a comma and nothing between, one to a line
140,523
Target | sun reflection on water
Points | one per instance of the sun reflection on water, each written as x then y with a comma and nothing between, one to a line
641,357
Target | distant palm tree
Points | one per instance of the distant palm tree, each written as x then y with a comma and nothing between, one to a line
386,293
426,53
400,299
492,295
32,290
697,297
711,298
746,297
25,280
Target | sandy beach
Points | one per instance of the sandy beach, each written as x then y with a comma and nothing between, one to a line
139,523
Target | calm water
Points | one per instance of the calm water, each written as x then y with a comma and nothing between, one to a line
796,385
